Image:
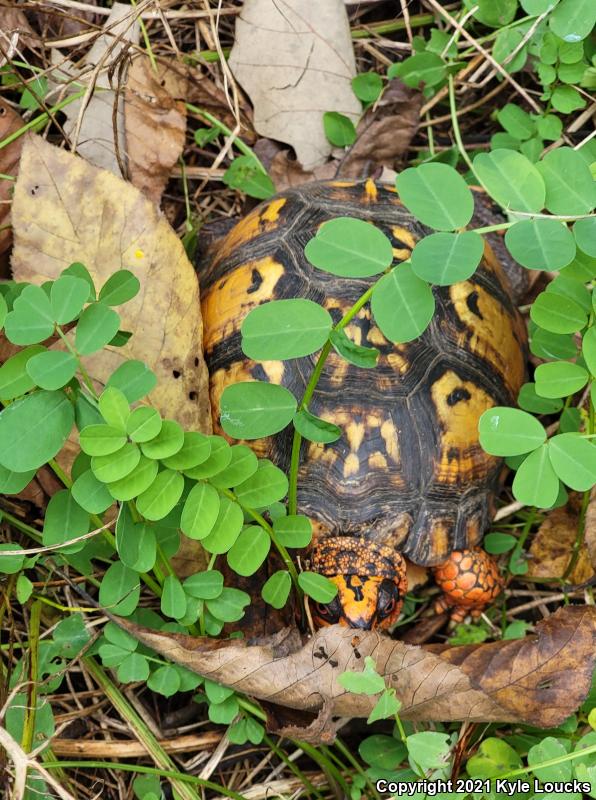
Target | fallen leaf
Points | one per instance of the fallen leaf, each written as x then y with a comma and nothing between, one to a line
10,122
286,172
66,210
538,680
384,132
155,125
57,23
97,122
552,547
13,20
295,60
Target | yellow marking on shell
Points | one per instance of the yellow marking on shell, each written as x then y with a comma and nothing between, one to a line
355,434
398,363
259,221
227,302
461,458
341,184
319,452
351,465
403,235
492,264
389,434
354,332
274,370
374,336
402,254
440,539
370,191
495,337
473,531
377,461
338,369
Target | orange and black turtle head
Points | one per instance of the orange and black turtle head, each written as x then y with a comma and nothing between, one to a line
371,582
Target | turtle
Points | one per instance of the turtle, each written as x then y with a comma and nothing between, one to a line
408,480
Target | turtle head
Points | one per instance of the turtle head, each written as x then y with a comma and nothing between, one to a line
370,579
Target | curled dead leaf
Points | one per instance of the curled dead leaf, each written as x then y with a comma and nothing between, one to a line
10,122
552,547
295,60
155,127
384,132
538,680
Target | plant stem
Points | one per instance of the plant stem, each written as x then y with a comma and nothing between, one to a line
287,559
171,774
490,228
280,753
380,28
456,130
31,707
140,730
309,391
143,28
83,371
33,123
242,146
581,522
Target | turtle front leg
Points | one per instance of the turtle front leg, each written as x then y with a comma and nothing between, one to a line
470,581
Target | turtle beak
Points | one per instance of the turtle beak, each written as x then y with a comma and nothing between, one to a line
362,623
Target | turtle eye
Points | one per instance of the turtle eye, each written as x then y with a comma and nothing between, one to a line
387,600
330,612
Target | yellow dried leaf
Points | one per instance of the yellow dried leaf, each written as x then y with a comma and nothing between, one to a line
66,210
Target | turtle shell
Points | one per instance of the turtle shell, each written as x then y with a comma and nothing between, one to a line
408,470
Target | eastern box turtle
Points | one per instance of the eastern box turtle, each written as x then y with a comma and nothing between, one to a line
408,477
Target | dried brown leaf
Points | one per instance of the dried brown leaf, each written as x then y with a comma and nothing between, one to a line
97,121
66,210
13,20
286,172
10,122
552,547
295,61
384,132
155,125
538,680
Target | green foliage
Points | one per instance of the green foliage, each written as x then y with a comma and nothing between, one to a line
436,195
247,174
255,409
284,329
494,757
350,248
367,86
165,480
423,69
339,129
